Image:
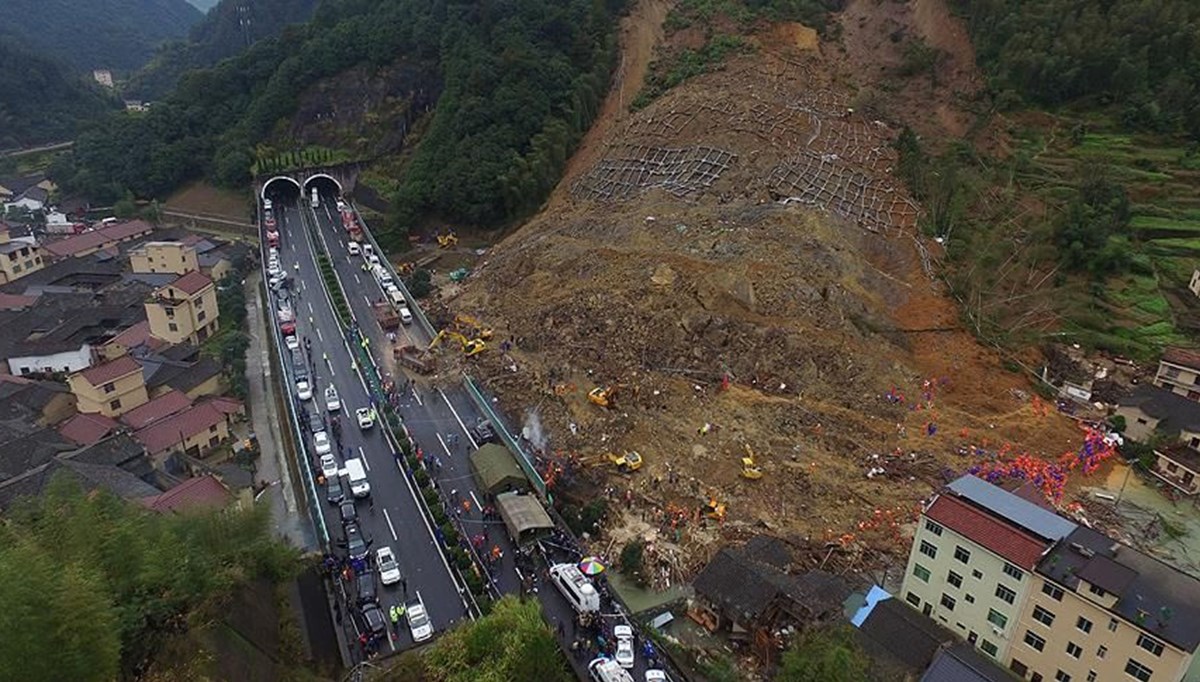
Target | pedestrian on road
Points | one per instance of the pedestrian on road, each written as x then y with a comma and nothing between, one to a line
404,585
371,504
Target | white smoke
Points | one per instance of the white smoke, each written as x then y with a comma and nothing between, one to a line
532,430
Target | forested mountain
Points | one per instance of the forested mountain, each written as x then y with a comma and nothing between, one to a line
114,34
522,82
203,5
1142,56
46,102
228,29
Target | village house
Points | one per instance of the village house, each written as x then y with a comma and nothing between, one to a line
1149,411
184,310
18,257
1179,372
110,389
157,256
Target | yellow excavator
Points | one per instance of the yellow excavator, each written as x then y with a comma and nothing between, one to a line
713,509
750,470
602,396
447,240
472,327
627,463
469,346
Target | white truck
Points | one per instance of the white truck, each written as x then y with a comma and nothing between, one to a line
359,485
316,200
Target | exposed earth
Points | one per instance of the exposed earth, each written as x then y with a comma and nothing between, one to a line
739,261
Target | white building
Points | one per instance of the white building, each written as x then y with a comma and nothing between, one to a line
67,361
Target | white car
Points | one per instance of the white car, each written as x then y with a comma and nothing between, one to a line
303,390
654,675
332,402
353,249
329,466
321,443
624,635
418,620
273,268
292,342
373,259
389,570
365,421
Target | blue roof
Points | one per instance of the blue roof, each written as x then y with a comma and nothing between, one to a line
874,596
1027,515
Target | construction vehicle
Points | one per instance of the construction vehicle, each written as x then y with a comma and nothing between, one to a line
351,225
750,470
627,463
386,315
713,510
472,327
415,358
469,346
602,396
447,240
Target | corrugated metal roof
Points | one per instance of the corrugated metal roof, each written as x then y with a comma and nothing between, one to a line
1004,504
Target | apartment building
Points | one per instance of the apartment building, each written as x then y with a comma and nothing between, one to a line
1179,372
1047,598
184,310
111,389
159,257
18,257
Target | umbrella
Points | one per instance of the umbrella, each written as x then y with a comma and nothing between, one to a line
591,566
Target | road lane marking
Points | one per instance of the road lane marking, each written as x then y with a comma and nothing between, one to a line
310,309
443,442
476,500
388,517
322,338
417,396
367,299
363,454
356,279
474,445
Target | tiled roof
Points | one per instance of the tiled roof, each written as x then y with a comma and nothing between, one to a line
228,405
1182,356
192,282
96,238
15,301
1174,411
137,335
161,407
1018,547
894,630
102,374
961,663
86,429
168,432
201,492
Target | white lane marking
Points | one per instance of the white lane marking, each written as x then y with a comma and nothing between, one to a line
417,396
367,299
356,279
310,309
476,500
363,454
322,338
474,445
444,446
388,518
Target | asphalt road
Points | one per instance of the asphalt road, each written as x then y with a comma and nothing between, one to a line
395,519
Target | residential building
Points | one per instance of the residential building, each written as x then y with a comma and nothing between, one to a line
1194,284
900,641
136,338
1103,611
193,431
155,257
1150,410
198,494
86,428
112,389
961,663
970,568
1179,467
184,310
181,368
18,257
103,77
161,407
106,237
117,464
1179,372
43,403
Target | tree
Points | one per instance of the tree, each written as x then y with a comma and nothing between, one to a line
127,207
512,642
827,654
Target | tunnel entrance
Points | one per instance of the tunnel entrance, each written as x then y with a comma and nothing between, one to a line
326,185
281,188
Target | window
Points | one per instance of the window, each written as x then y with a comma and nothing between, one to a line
1102,652
977,574
913,599
970,598
1097,590
1091,676
1005,594
109,387
1138,671
16,268
948,602
928,549
115,405
200,316
988,648
933,527
954,579
212,429
1171,373
1150,644
173,327
1034,641
1018,667
921,572
1112,624
961,554
996,618
1013,572
1074,649
1035,677
1083,625
1043,616
170,312
1051,591
1060,676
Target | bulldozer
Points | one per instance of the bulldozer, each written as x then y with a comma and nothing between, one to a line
602,396
750,470
447,240
713,510
469,346
472,327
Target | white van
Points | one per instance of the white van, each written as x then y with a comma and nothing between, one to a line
396,295
266,204
405,315
368,250
607,670
352,249
578,590
359,485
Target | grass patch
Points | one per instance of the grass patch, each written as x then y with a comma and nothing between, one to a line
668,71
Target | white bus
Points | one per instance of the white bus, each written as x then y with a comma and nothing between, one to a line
316,201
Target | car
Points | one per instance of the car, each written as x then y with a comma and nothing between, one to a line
418,620
329,466
277,280
348,512
321,443
303,390
368,250
334,494
405,315
292,342
353,249
373,259
389,570
366,587
356,544
483,432
624,636
365,419
373,619
341,205
316,423
332,402
656,675
273,253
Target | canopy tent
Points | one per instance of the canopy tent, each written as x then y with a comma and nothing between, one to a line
524,517
496,470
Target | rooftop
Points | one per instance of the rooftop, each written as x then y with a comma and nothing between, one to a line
161,407
97,238
110,371
1182,454
194,494
1034,518
170,431
86,429
1001,538
1184,357
192,283
962,663
1162,600
16,301
897,631
137,335
117,464
1173,411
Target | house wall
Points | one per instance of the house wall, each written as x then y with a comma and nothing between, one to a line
1177,473
218,270
1180,380
160,257
1117,636
60,408
67,361
195,445
111,399
1138,425
16,264
976,598
177,317
210,387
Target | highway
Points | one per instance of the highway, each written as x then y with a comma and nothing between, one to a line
438,418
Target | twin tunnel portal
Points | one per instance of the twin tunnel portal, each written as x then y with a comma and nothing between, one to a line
294,185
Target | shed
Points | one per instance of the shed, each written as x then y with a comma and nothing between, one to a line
524,517
497,471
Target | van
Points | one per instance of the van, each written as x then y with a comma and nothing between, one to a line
359,485
607,670
368,250
405,315
578,590
266,204
380,272
352,249
397,296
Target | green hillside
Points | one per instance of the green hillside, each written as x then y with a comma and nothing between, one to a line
52,104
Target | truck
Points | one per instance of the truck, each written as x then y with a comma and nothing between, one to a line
316,199
415,358
386,315
287,321
350,222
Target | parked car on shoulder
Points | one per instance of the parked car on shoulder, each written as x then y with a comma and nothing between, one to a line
373,619
624,637
418,619
483,432
389,570
334,493
329,466
321,443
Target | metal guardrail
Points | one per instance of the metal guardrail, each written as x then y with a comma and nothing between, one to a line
523,458
412,301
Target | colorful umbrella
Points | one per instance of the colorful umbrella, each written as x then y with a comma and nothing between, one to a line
591,566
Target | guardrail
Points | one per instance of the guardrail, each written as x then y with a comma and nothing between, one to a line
412,301
523,457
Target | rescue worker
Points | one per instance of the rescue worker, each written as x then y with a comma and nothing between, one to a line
396,612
